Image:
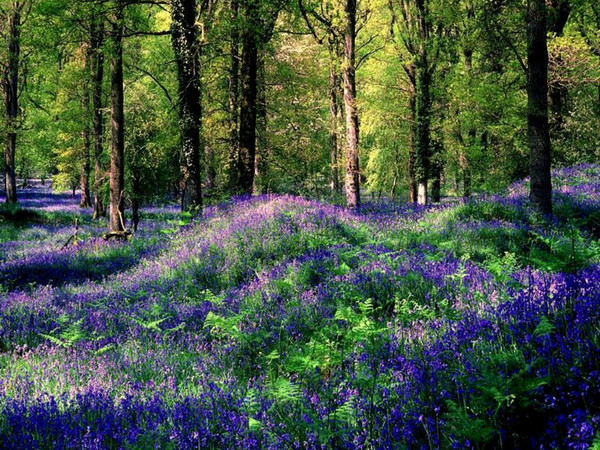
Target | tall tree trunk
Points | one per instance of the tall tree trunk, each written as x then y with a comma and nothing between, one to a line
352,131
185,45
471,133
234,98
135,200
334,81
437,168
117,143
97,75
260,161
84,178
247,136
11,100
537,107
423,128
211,173
412,130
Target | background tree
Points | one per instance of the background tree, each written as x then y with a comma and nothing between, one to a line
537,108
14,15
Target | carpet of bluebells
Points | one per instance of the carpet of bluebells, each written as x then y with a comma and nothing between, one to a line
282,322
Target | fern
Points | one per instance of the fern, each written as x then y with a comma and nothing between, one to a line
545,328
284,391
150,324
223,326
68,337
347,412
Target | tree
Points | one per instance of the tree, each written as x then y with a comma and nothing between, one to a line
233,91
84,179
117,143
537,107
11,83
97,77
185,44
258,21
352,131
420,39
333,38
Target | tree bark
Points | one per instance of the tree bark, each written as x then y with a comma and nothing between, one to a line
247,135
260,161
437,168
117,144
11,101
412,130
234,98
97,74
537,108
84,178
352,125
423,129
334,81
185,44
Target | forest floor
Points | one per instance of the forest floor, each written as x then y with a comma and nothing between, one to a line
284,322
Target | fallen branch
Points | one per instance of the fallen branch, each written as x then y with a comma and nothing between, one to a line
117,235
74,238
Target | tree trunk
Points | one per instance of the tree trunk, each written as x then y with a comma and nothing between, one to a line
117,144
234,98
260,161
537,108
247,136
185,45
135,201
84,178
333,118
472,134
412,133
423,125
437,168
352,131
97,74
11,100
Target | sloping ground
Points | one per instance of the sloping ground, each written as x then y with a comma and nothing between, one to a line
282,322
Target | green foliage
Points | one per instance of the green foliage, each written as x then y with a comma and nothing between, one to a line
70,335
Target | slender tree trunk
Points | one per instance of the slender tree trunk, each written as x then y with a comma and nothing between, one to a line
247,136
423,126
472,133
97,74
185,45
211,173
352,130
117,143
135,202
260,161
537,108
412,131
334,81
437,168
234,98
84,178
11,100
